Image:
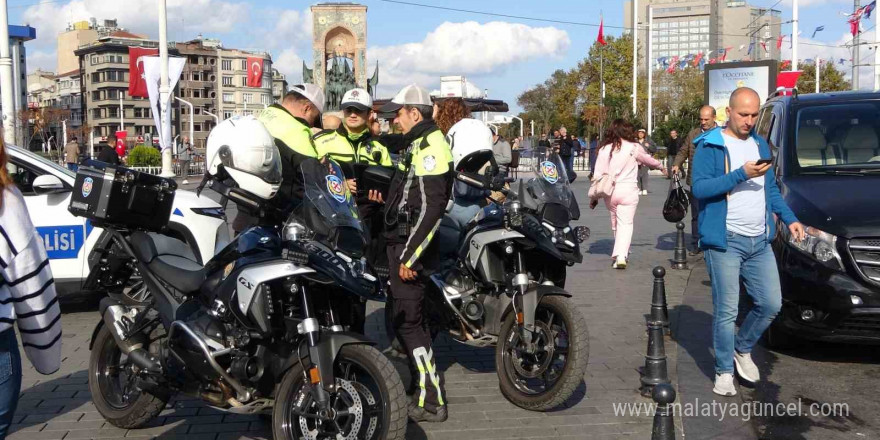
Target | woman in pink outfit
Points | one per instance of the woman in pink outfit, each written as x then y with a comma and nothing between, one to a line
620,157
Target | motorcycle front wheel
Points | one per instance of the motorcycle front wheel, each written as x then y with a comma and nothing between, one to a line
369,402
548,375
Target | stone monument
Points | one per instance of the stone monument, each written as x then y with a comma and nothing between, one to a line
339,45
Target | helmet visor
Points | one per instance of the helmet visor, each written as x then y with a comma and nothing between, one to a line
261,161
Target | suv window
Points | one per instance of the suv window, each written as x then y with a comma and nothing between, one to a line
23,176
838,134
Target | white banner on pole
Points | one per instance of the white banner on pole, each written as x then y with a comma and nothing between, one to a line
151,76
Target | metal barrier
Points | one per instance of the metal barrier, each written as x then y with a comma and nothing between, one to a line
196,168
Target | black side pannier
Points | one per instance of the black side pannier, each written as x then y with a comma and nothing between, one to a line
115,195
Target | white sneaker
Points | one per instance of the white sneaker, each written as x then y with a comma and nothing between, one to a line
724,385
185,182
620,263
746,367
645,192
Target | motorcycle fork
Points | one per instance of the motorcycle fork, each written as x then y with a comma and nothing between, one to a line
320,374
524,304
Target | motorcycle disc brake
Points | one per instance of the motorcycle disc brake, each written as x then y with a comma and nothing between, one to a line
356,410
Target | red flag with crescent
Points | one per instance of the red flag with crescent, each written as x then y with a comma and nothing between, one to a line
255,72
136,84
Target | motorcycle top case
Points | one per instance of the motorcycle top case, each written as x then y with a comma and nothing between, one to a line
115,195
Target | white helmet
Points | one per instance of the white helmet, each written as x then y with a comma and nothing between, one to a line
471,143
247,152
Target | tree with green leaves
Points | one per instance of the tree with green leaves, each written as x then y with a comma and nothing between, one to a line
830,79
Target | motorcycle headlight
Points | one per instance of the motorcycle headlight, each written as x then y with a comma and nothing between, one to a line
294,231
820,245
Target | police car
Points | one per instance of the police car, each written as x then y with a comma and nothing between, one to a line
68,240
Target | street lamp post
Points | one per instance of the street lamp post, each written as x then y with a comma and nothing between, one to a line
164,90
192,116
6,89
216,118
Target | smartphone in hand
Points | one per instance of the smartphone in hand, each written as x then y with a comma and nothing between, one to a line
764,162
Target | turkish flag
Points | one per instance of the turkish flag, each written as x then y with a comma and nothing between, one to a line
255,72
136,84
120,142
601,38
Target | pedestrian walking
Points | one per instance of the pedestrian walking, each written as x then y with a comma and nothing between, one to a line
27,298
502,151
565,150
651,148
738,204
184,157
672,147
594,148
71,154
686,153
619,159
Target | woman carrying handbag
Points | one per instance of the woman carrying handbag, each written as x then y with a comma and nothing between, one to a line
616,181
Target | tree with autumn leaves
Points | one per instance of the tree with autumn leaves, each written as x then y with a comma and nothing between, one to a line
572,98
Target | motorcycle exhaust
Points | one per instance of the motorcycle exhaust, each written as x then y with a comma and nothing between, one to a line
117,318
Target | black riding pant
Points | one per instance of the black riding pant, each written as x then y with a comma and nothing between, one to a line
407,320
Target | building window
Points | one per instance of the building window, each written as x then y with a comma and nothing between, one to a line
228,97
248,98
197,127
197,93
244,64
96,77
227,65
227,115
227,80
265,99
96,96
267,83
244,81
196,76
112,94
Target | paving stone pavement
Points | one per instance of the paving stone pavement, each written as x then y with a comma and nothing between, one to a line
614,303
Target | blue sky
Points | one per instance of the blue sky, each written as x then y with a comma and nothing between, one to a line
412,44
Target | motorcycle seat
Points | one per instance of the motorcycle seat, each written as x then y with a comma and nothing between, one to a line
170,259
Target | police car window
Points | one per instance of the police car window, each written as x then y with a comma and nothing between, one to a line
22,176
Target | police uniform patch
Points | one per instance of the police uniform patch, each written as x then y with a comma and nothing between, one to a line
88,182
429,163
549,172
336,188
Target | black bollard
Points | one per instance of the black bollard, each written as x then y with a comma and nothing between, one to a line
655,359
664,422
679,256
659,310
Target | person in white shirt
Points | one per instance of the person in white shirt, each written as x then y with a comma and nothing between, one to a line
27,298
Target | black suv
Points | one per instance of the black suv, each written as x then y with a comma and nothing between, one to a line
827,152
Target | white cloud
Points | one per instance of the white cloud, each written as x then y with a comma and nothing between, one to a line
185,17
468,48
290,64
292,29
41,59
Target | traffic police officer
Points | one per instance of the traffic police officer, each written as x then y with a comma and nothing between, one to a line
352,141
416,203
289,123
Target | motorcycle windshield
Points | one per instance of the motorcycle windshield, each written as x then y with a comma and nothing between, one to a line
327,191
550,184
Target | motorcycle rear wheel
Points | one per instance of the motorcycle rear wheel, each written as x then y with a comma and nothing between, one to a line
545,379
113,389
377,408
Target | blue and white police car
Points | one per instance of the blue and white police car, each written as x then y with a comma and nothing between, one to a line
68,240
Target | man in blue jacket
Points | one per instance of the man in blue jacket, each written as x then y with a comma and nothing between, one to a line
737,224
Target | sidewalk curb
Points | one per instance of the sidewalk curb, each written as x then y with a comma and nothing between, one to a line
694,370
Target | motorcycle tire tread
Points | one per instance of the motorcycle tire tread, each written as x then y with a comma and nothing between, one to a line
577,369
146,408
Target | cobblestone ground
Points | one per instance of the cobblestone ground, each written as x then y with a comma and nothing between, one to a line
614,303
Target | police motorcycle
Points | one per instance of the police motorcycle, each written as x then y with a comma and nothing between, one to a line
504,276
259,328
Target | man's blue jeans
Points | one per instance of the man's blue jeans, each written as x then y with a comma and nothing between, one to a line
10,379
750,259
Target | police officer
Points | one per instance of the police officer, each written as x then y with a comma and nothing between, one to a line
416,204
289,123
352,141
